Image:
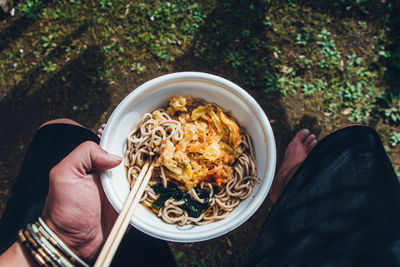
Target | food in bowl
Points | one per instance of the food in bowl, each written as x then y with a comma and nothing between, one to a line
205,164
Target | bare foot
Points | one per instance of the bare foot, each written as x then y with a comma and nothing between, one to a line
296,153
100,130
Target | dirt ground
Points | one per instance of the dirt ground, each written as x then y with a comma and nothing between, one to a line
77,91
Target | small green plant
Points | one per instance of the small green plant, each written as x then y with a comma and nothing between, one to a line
384,53
48,41
235,59
302,38
86,107
105,4
49,66
393,113
394,139
32,9
75,2
390,108
267,21
138,68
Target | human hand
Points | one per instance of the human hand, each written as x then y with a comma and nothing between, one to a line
76,208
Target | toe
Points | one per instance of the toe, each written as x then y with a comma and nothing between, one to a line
100,132
309,139
301,135
312,145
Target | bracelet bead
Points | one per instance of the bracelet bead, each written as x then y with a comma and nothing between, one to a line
36,256
49,254
46,248
69,252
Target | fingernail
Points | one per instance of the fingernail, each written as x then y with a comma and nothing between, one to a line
115,157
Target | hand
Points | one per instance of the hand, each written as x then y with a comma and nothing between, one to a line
76,208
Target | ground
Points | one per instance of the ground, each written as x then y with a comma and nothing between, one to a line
319,65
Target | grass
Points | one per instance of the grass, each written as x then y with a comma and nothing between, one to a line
327,63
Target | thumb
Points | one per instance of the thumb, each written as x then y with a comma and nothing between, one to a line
85,157
101,159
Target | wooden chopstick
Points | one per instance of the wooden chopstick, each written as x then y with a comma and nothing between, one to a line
122,222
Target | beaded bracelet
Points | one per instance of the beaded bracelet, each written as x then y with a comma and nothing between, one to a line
37,227
57,240
55,255
46,248
36,255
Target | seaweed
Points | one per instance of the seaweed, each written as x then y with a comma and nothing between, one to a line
191,205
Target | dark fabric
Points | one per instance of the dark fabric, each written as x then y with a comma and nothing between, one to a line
341,208
49,146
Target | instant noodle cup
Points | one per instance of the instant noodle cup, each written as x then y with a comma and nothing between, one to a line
153,95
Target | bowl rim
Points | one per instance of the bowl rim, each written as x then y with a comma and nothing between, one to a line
247,98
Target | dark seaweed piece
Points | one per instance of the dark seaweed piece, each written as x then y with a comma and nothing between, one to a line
171,191
215,189
202,193
191,206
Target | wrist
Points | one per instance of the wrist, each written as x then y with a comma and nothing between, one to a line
16,255
44,240
79,244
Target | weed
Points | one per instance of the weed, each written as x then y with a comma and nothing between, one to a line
302,38
49,66
267,21
138,68
105,4
389,107
393,113
86,107
32,9
75,2
394,139
384,53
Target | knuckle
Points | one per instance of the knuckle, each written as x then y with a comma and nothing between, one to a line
54,172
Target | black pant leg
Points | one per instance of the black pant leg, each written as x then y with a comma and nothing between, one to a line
341,208
49,146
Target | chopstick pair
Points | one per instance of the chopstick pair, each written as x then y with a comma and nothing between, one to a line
122,222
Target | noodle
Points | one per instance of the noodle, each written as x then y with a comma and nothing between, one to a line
216,192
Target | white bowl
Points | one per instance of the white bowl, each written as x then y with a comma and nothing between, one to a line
154,94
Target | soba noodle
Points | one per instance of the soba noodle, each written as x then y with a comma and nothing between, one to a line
145,142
